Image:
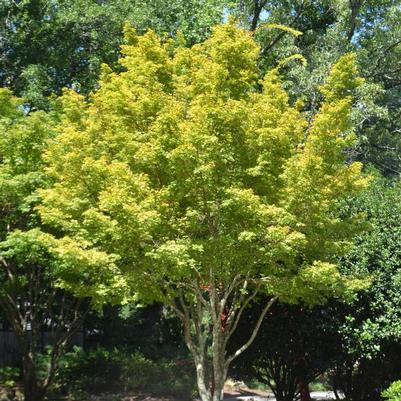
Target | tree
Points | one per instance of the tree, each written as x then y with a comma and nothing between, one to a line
48,45
207,185
370,331
294,347
371,29
44,285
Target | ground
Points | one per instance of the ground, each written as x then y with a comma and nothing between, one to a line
231,393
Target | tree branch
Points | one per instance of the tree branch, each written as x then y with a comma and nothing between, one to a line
283,33
253,335
257,10
355,8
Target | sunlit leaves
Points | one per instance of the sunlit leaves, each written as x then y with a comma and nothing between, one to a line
192,170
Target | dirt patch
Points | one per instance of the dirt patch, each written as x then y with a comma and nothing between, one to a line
229,392
130,397
237,390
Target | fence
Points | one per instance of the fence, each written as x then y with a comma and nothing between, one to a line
9,348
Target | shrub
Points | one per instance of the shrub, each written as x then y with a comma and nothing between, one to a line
8,376
393,393
114,370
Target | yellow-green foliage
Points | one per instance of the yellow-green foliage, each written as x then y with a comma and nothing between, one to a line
72,265
192,170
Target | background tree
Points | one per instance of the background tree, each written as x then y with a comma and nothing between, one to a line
370,28
357,344
48,45
44,285
293,348
370,331
207,190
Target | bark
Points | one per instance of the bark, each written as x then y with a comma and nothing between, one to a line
304,390
201,378
208,324
32,390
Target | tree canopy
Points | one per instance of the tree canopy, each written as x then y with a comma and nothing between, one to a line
369,330
205,186
44,283
48,45
328,29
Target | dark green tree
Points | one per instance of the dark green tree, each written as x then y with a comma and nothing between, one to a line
370,331
48,45
369,28
294,347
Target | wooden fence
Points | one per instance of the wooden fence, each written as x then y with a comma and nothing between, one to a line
9,349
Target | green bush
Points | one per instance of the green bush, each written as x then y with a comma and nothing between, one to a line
393,393
9,376
101,370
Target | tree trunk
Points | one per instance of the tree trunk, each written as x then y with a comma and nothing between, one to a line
212,318
355,9
32,391
219,378
201,379
257,11
304,390
210,387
